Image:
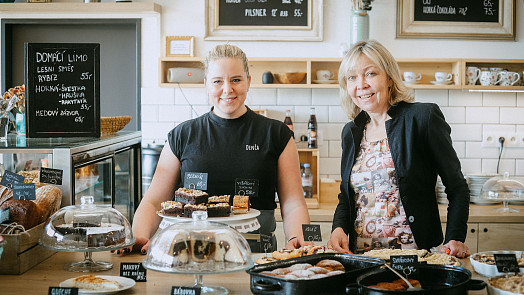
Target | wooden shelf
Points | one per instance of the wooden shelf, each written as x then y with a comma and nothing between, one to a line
312,156
65,7
426,67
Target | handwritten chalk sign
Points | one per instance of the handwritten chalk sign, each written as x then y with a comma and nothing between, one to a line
406,264
195,180
62,89
4,215
24,191
246,187
292,13
52,176
312,232
9,178
506,262
178,290
485,11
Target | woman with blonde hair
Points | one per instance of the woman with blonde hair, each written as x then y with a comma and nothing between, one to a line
230,143
397,139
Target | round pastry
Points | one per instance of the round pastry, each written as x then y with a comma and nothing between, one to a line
318,276
334,273
300,266
281,271
289,277
318,270
264,260
302,273
286,254
331,265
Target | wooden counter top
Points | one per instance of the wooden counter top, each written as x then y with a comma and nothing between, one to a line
477,213
51,273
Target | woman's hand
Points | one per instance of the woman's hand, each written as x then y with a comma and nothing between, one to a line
339,241
141,246
456,248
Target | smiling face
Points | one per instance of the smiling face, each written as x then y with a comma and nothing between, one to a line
368,86
227,84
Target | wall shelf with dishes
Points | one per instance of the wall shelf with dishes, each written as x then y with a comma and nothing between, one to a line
434,73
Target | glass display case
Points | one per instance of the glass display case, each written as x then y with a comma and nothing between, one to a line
107,168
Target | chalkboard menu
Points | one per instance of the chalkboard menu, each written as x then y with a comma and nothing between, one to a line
62,89
284,13
457,10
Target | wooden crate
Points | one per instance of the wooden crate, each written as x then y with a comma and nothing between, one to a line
329,192
22,252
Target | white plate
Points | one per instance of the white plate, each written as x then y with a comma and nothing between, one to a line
490,270
324,81
125,283
481,201
441,83
234,217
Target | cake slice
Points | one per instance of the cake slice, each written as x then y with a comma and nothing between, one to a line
219,199
190,196
240,204
92,282
190,208
218,210
172,208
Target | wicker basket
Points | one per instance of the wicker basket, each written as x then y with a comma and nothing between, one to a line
113,124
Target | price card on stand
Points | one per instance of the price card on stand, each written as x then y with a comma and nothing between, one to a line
195,180
312,232
406,264
62,291
9,178
51,176
24,191
133,270
506,262
177,290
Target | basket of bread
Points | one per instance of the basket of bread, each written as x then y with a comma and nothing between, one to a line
110,125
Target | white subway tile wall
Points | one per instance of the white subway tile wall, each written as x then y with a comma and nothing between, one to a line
470,115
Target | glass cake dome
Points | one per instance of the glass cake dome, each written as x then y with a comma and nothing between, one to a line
199,247
87,228
504,188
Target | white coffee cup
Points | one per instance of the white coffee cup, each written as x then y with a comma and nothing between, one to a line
412,77
443,76
488,78
325,75
473,74
508,78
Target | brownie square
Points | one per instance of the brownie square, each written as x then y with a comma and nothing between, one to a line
219,199
190,208
191,196
172,208
218,210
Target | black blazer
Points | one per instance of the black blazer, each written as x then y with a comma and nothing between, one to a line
421,147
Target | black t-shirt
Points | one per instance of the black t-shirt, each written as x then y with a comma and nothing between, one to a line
231,151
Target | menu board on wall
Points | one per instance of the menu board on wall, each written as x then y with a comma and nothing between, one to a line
484,11
62,89
285,13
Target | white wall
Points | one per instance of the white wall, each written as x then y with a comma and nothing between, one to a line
469,114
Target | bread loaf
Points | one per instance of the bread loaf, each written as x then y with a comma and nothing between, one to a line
48,199
23,212
5,194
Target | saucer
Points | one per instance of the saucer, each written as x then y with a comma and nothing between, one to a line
441,82
324,81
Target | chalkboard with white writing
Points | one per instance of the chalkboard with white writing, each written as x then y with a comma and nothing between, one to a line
285,13
457,10
62,89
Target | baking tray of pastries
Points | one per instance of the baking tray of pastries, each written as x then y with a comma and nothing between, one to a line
484,262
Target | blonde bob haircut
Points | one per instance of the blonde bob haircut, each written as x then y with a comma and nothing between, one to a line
381,57
226,51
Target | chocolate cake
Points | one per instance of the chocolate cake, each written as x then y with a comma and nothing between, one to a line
172,208
203,246
190,208
218,210
190,196
91,235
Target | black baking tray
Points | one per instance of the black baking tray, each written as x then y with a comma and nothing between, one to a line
355,265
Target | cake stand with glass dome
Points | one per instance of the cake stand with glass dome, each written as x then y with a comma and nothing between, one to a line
504,188
199,247
87,228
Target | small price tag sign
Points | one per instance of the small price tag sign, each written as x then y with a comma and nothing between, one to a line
246,187
24,191
133,270
177,290
62,291
406,264
4,215
506,262
195,180
51,176
266,243
9,178
312,232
